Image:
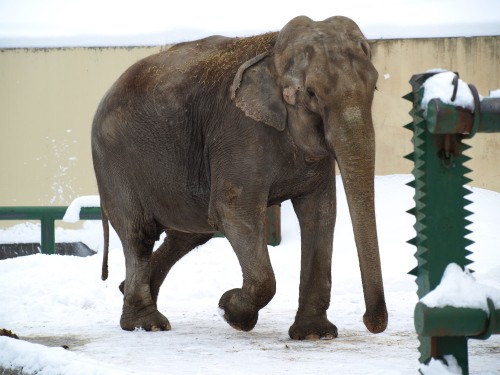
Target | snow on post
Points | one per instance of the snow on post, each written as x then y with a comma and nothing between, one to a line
442,86
459,288
72,214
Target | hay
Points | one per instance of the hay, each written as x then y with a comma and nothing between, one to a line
220,62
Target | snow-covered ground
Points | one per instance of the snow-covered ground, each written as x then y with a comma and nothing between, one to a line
60,300
76,23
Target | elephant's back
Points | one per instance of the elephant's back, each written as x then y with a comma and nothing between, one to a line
157,85
202,63
159,88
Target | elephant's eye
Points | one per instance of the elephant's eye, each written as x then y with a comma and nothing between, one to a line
311,93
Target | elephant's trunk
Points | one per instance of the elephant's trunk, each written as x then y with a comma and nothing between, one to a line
353,143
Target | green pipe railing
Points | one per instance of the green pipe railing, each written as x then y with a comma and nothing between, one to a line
47,215
441,219
451,321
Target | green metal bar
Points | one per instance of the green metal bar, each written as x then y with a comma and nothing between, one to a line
443,118
90,213
39,212
31,212
454,321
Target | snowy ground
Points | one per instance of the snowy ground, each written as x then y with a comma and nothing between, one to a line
60,300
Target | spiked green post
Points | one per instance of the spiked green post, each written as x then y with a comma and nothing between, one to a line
441,219
440,214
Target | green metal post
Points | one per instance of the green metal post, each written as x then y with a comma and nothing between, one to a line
273,225
48,241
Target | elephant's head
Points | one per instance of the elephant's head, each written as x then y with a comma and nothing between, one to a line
319,82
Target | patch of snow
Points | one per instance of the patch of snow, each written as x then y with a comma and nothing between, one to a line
440,86
21,233
437,367
495,93
72,214
28,358
459,288
221,312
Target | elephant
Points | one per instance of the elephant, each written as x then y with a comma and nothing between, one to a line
202,137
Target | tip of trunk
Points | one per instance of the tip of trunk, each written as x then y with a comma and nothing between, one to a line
376,322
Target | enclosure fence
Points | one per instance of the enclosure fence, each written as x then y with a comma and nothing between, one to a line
47,215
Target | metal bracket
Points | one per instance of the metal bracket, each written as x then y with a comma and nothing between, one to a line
477,112
491,322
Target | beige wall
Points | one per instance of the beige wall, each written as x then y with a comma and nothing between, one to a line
48,98
47,102
477,60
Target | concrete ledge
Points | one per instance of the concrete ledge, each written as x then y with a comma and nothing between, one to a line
63,248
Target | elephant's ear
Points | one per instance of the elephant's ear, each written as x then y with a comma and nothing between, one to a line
256,93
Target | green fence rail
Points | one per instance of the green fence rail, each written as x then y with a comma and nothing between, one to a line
47,215
441,217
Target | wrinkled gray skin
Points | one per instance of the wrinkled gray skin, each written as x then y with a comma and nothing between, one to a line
205,136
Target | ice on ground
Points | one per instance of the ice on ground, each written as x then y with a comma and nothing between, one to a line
440,86
459,288
72,214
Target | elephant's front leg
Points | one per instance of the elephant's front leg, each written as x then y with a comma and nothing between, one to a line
316,213
244,228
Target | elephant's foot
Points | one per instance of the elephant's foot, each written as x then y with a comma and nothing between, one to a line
312,328
148,318
238,310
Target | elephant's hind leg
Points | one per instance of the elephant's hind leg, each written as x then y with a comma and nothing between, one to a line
175,246
139,308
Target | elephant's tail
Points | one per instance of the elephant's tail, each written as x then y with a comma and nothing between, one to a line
105,229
